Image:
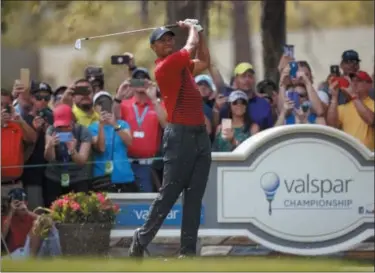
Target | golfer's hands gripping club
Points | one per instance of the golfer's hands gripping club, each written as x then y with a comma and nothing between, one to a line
190,22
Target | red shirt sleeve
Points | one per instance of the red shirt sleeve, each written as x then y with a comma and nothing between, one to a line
176,61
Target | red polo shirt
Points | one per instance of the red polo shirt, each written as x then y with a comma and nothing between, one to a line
180,93
148,145
20,226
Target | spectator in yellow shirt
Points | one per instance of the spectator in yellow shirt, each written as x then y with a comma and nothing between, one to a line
356,117
81,102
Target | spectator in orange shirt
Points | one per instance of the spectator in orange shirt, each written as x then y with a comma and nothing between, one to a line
14,132
146,116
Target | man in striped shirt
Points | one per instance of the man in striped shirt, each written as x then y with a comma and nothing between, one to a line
186,144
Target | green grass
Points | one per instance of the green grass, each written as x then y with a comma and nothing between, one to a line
221,264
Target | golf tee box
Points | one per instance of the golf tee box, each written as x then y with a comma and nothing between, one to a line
302,190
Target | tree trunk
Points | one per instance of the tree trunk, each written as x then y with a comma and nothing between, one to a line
181,10
241,32
144,12
273,25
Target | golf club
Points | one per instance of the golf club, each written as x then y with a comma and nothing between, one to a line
78,43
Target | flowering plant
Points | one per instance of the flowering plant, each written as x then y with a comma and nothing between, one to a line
80,208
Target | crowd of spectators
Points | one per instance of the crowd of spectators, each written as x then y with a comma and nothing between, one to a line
80,137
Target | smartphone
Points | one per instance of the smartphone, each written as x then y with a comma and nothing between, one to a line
25,77
8,109
120,59
305,106
294,96
64,136
47,115
137,82
82,90
293,70
226,123
335,70
289,50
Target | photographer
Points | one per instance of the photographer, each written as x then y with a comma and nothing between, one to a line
68,147
80,97
18,221
95,76
111,137
24,232
39,118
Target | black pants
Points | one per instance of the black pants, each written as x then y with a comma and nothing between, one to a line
122,188
187,160
54,190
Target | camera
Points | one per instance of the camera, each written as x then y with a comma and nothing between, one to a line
95,75
46,114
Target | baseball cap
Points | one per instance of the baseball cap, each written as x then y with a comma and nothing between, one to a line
17,194
236,95
242,68
40,86
350,55
205,79
158,33
100,94
62,115
141,71
363,76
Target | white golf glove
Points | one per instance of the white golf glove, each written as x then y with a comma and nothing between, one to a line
194,22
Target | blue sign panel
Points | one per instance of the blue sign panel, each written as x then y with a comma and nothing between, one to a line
136,215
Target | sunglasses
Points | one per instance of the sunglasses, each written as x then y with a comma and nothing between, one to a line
239,101
40,97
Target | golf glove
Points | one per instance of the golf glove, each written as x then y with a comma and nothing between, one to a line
194,22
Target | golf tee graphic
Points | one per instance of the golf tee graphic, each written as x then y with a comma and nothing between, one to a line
270,182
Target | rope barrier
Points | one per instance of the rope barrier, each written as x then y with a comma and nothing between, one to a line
89,162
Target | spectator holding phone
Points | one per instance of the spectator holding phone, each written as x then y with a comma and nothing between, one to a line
39,118
110,140
356,117
146,116
80,97
95,76
233,131
68,147
15,132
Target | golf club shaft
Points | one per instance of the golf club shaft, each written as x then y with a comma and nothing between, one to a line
125,32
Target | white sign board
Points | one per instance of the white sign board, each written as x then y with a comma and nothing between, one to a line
289,194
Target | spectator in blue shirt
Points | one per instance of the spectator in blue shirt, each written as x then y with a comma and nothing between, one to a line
258,109
207,89
110,140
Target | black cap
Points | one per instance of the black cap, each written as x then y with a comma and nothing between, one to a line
59,89
266,87
158,33
40,86
350,55
143,72
17,194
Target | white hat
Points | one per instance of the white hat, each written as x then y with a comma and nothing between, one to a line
101,93
236,95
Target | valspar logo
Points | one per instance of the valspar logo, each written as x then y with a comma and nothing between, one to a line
137,214
307,192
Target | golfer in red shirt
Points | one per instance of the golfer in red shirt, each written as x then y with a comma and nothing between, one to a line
186,144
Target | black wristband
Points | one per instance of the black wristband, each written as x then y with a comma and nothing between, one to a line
117,100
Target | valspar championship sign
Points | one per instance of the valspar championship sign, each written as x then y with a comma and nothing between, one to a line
309,194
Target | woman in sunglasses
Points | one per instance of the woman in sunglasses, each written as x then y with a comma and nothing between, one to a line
238,127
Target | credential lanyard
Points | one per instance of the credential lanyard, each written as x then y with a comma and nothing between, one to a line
141,118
